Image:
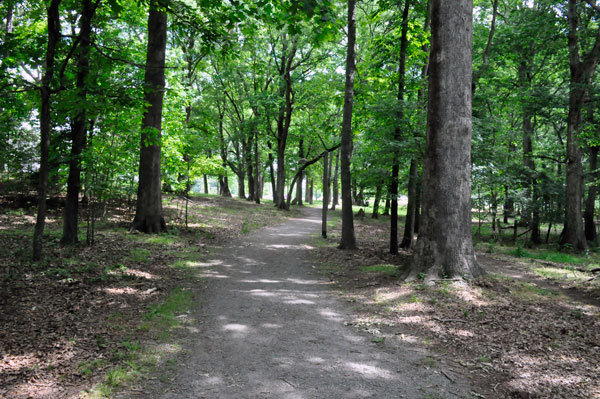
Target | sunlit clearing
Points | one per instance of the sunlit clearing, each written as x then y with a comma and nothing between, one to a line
139,273
262,280
235,327
411,339
299,302
368,370
283,246
472,295
262,293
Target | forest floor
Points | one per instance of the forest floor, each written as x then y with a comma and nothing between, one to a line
530,328
86,321
165,316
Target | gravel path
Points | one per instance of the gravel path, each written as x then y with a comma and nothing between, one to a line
271,327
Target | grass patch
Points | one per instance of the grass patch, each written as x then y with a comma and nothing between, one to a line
386,269
532,292
140,255
162,317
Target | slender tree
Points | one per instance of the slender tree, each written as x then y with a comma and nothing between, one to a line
398,130
444,247
54,35
79,126
348,240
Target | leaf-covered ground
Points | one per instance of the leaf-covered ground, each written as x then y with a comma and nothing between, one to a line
529,329
81,316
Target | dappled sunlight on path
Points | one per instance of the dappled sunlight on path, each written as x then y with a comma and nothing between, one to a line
272,328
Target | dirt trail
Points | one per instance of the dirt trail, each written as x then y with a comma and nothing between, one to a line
270,327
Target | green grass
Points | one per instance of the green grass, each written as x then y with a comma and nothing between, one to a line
140,255
163,317
387,269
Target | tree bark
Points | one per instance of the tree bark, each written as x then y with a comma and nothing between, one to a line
348,240
411,208
257,175
248,145
272,173
285,115
398,130
335,184
530,212
148,216
581,73
78,129
45,124
444,248
224,190
590,202
325,195
301,177
378,191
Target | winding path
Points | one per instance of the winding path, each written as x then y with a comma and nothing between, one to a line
271,327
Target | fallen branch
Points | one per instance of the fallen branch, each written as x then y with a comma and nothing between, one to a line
448,377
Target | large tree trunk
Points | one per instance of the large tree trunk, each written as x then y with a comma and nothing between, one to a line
348,240
335,185
285,116
78,129
590,202
411,209
148,215
444,248
581,73
45,125
398,131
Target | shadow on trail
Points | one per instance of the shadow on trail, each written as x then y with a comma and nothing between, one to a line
273,329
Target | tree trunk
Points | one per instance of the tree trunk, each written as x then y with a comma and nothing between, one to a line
249,166
78,129
581,73
148,215
241,177
444,248
224,190
272,174
325,195
335,185
257,175
398,131
45,125
411,209
301,177
348,240
386,207
329,174
590,202
205,180
378,191
311,191
285,116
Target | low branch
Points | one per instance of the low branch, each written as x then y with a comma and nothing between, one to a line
304,166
